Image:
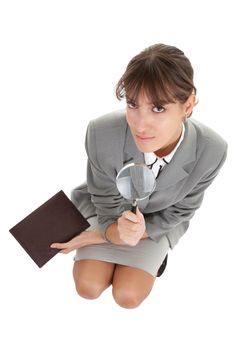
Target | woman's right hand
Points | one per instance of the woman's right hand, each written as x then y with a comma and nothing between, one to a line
83,239
131,227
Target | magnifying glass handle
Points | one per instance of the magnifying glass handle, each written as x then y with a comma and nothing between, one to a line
134,207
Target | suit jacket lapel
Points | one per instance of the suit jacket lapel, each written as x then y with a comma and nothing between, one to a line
132,154
178,168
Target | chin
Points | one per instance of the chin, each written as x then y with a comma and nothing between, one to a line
145,149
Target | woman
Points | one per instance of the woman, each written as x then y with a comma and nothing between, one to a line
121,248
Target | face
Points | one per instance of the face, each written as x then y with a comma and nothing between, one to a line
155,128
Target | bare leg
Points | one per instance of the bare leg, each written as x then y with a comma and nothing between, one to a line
92,277
131,286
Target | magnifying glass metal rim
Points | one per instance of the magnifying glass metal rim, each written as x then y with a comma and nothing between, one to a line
143,165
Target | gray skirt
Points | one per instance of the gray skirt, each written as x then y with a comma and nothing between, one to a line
147,255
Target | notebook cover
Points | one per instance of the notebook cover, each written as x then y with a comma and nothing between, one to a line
57,220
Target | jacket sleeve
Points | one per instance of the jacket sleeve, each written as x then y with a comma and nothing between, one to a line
101,182
174,220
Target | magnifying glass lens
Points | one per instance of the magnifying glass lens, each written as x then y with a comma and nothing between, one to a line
135,182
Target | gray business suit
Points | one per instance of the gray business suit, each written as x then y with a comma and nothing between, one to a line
179,188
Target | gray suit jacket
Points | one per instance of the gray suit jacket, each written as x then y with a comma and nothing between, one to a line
179,188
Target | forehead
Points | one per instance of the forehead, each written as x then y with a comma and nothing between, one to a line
143,98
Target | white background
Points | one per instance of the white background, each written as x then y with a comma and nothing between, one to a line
59,63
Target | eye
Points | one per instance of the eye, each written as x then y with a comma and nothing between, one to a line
158,109
131,104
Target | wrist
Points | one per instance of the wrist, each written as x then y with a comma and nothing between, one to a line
112,235
106,238
93,237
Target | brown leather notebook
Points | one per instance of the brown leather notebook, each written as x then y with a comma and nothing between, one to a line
57,220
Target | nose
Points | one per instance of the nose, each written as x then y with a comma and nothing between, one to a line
141,121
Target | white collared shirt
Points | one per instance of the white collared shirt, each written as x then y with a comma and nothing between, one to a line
156,163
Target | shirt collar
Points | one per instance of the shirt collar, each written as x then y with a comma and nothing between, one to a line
151,157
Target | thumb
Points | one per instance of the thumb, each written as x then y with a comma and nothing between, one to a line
140,216
138,213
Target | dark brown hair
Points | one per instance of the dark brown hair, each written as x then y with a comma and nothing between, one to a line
163,72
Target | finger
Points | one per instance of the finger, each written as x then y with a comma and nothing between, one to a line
131,242
58,245
132,225
130,216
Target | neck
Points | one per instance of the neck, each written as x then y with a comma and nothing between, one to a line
166,150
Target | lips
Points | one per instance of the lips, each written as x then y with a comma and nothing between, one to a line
144,138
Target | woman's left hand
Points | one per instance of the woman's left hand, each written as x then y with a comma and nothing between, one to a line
83,239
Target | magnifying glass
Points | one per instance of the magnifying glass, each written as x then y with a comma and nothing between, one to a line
135,182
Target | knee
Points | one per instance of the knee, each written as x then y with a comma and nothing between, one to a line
127,299
88,289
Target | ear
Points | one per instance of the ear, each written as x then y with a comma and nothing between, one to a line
189,104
